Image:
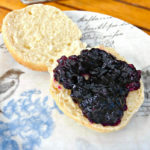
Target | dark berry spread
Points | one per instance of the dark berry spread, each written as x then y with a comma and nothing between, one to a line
99,84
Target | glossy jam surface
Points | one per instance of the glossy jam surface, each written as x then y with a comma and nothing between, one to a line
99,84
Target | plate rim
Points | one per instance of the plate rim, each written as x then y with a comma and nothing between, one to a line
74,11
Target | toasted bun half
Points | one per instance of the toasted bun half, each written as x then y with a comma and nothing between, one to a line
38,33
71,109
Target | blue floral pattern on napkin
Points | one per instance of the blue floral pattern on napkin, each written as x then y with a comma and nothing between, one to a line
30,120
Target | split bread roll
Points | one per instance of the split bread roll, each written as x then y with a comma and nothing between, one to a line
71,109
38,33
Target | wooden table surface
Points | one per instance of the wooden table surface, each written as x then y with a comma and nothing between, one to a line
136,12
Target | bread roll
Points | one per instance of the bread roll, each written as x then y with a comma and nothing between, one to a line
71,109
38,33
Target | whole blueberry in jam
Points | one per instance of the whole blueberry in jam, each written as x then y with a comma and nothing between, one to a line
99,84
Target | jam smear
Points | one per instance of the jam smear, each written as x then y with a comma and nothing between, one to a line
99,84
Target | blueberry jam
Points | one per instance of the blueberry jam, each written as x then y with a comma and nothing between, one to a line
99,84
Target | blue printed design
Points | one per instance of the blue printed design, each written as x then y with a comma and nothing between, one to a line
31,121
56,107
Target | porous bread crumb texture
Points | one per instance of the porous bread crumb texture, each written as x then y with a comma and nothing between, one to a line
38,33
71,109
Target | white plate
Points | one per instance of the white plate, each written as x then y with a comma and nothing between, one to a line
31,121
